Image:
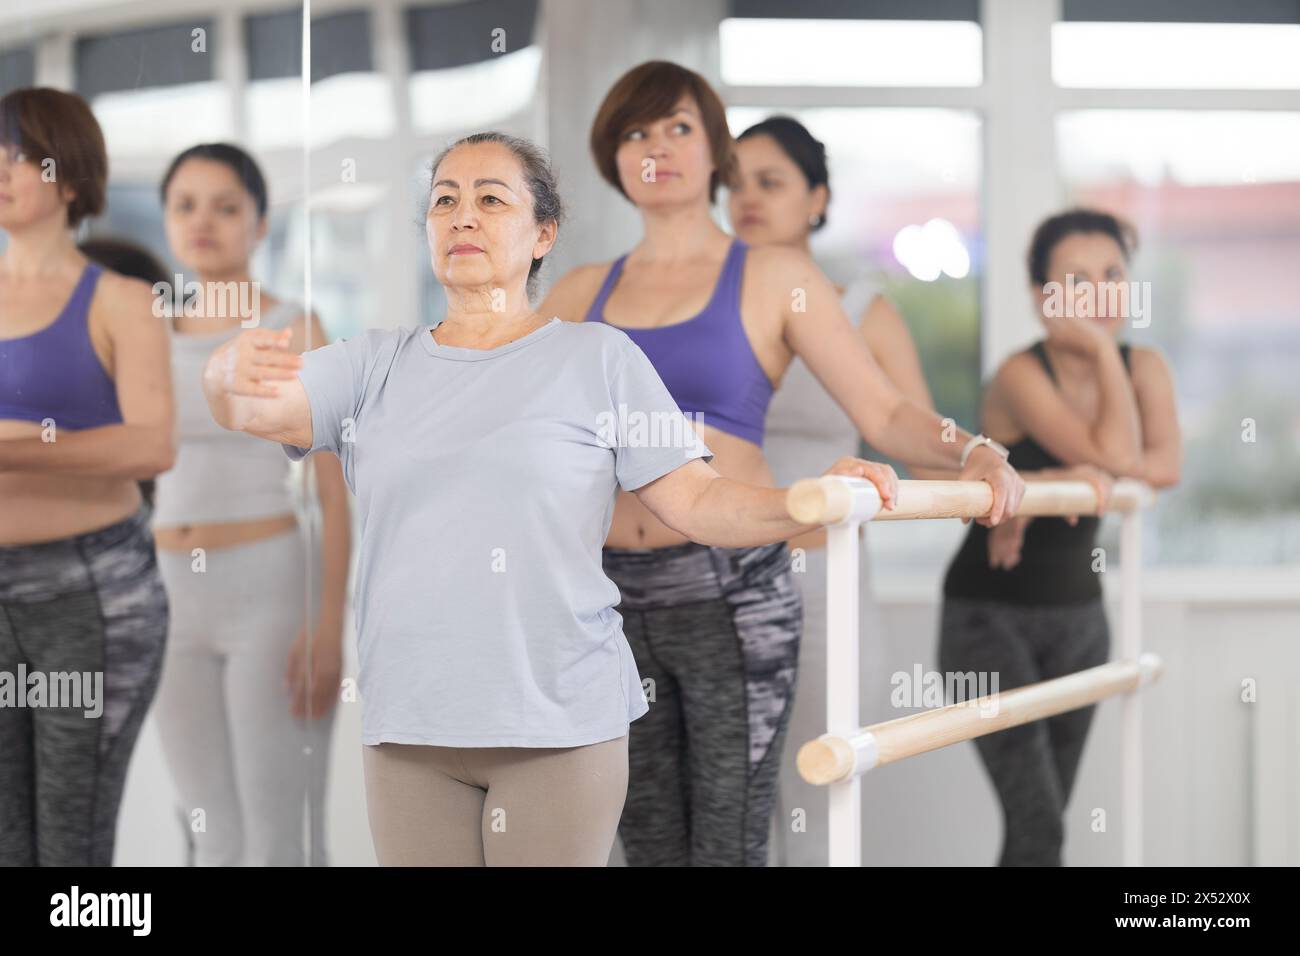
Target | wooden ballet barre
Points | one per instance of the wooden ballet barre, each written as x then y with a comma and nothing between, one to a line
833,758
831,499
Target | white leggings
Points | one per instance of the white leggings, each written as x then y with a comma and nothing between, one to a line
256,773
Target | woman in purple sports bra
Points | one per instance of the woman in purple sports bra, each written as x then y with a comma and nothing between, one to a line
85,411
715,631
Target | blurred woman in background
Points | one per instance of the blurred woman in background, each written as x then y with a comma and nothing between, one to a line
253,663
780,197
85,413
1024,600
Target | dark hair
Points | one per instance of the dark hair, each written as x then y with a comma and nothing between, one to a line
1068,223
804,150
547,206
649,92
242,164
128,259
45,123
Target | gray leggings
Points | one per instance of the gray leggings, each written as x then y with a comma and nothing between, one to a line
716,632
495,806
249,775
90,605
1032,766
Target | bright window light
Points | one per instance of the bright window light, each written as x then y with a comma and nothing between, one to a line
1187,148
163,119
932,250
273,110
476,95
778,52
351,104
1176,56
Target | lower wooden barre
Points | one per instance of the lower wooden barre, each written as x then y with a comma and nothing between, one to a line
832,758
829,499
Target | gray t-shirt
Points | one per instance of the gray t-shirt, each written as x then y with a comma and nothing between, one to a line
485,481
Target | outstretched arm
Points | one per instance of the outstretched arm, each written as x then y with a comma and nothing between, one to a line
711,510
251,384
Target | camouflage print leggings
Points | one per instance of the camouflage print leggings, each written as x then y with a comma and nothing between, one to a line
92,605
715,633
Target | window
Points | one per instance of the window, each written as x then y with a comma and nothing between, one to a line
771,52
17,69
472,65
348,96
133,78
476,94
864,43
1187,45
1186,56
273,97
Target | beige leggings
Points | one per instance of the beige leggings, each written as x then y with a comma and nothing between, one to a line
495,806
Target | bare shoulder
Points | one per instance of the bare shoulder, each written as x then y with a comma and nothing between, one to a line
881,316
1018,371
587,272
779,264
1016,365
122,300
1147,361
574,291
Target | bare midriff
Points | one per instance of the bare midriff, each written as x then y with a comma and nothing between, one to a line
634,526
37,506
221,534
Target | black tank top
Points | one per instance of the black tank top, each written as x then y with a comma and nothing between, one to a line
1055,560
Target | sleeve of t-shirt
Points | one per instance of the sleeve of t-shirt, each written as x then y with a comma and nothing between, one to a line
334,378
654,437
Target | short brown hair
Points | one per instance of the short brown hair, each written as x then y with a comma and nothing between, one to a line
648,92
50,124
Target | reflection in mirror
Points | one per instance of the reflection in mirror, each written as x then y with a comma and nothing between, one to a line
169,139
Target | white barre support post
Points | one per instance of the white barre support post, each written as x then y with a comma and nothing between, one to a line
843,713
1130,647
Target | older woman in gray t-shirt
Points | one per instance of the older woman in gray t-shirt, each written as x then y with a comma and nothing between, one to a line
485,454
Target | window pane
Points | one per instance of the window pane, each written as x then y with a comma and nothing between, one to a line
1181,56
273,113
169,55
17,68
351,104
475,95
195,113
851,52
1216,200
908,172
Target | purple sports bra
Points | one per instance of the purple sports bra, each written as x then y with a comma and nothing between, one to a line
707,362
54,372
